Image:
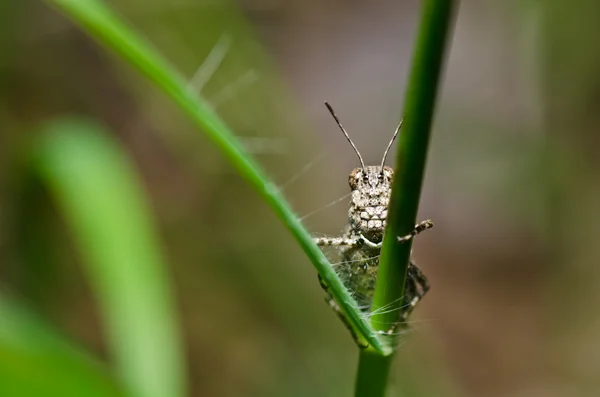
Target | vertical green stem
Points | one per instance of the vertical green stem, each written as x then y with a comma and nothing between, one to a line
373,370
406,189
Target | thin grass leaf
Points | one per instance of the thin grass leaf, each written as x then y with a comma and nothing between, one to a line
100,196
103,25
436,16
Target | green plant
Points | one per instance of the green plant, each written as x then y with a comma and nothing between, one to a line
133,352
406,189
98,192
106,27
36,361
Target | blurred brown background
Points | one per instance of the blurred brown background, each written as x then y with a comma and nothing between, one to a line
511,184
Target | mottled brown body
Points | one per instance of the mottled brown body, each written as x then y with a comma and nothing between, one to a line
360,246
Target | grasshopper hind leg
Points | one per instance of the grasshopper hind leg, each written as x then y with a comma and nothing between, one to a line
336,308
415,289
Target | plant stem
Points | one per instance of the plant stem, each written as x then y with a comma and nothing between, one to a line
373,370
406,188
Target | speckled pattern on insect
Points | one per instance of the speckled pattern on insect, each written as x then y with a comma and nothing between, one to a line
370,198
360,245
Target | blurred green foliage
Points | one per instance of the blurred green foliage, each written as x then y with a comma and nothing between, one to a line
97,194
511,184
96,190
35,360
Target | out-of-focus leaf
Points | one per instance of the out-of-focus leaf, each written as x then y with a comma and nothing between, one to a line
34,361
100,196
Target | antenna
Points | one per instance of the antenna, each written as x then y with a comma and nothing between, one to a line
390,144
346,134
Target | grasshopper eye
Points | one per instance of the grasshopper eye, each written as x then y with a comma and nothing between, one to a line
354,178
388,173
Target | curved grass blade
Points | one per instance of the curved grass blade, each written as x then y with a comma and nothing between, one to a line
99,194
103,25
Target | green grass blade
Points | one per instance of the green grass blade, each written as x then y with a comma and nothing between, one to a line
411,156
408,179
99,194
34,361
94,17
